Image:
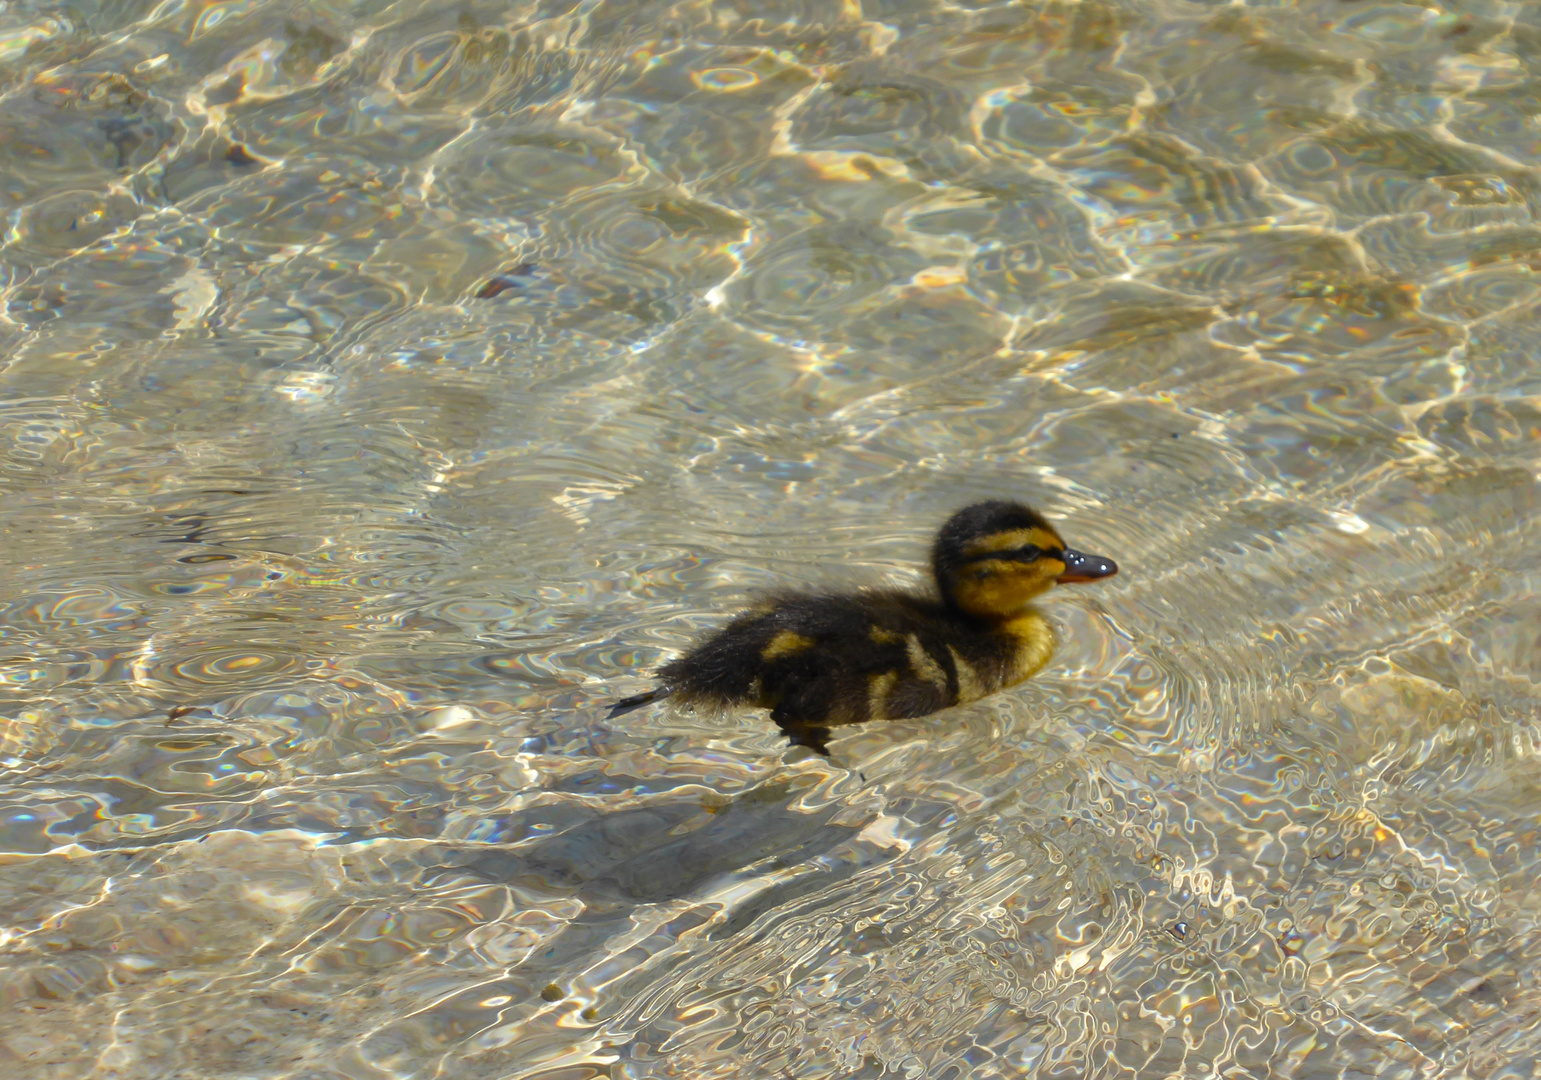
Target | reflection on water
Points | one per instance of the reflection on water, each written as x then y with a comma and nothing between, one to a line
388,385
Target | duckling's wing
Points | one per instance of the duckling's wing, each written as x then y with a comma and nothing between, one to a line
917,672
851,658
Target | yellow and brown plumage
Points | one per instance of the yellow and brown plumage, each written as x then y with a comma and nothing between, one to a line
819,661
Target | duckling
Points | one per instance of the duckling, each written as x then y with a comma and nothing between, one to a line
822,660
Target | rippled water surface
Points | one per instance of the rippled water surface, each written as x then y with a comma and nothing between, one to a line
388,385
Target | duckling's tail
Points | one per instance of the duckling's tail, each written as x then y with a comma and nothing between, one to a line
636,701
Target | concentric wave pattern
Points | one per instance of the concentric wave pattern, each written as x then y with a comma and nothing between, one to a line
388,385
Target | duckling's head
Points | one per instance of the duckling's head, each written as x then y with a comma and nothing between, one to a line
992,558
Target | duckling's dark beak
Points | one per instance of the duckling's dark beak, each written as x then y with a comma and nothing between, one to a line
1079,567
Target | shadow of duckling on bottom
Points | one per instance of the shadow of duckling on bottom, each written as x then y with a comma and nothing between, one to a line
824,660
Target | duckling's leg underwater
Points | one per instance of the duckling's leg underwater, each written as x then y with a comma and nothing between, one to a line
800,733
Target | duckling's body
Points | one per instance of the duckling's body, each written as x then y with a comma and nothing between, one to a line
825,660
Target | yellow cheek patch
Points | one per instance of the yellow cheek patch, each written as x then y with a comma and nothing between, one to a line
884,637
990,595
1011,540
786,643
1008,589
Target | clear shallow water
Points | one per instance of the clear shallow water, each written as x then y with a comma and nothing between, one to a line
389,385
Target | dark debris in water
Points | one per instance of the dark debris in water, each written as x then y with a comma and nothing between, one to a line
241,157
499,284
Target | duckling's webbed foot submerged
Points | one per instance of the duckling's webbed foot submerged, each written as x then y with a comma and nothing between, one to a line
800,734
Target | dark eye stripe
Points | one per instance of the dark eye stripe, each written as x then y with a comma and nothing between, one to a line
1027,553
